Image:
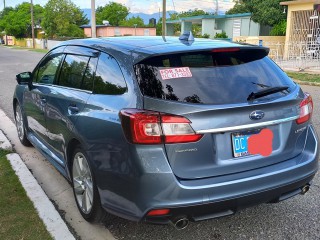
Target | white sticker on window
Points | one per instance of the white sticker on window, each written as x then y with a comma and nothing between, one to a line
172,73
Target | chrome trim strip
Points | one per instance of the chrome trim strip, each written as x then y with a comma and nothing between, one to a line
247,126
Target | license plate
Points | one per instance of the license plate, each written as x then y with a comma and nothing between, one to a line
240,143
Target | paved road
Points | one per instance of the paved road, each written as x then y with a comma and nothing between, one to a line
13,62
297,218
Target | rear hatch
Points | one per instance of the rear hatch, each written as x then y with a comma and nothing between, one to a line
228,95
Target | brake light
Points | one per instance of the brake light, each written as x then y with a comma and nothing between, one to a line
226,50
148,127
306,109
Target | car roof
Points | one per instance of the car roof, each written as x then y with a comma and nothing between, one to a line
146,46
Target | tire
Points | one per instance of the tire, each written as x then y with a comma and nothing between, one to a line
84,188
21,126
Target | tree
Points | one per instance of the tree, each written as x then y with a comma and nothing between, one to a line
17,21
62,18
133,21
159,27
266,12
190,13
279,29
5,11
112,12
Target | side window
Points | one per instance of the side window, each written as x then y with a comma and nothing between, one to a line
48,69
75,70
109,78
87,83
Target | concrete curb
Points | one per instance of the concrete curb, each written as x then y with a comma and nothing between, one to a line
47,212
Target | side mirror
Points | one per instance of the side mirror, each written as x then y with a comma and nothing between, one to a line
24,78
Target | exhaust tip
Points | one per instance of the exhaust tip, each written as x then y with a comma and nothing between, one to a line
181,223
305,189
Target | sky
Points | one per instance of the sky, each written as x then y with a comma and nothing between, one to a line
145,6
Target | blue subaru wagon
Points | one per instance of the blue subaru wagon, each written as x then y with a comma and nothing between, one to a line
164,130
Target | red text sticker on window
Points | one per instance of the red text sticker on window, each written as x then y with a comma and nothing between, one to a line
172,73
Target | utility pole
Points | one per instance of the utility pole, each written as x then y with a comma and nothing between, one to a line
32,26
93,19
4,6
164,15
135,29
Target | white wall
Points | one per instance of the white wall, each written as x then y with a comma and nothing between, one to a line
52,43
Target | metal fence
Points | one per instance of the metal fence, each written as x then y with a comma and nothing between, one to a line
300,56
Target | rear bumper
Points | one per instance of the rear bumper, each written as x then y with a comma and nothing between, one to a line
211,197
230,206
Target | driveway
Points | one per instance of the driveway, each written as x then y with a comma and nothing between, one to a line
296,218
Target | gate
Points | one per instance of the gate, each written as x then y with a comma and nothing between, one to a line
302,51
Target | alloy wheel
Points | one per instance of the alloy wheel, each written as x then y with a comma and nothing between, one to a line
82,182
19,123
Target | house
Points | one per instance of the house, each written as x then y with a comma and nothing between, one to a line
113,31
234,25
303,29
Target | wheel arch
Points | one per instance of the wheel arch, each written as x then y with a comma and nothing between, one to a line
72,145
14,105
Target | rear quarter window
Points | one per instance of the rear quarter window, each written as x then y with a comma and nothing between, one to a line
109,78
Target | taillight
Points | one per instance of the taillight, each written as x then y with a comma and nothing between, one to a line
141,126
177,129
306,109
148,127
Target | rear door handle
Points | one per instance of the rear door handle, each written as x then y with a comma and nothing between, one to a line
72,109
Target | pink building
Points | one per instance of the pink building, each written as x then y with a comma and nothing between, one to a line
112,31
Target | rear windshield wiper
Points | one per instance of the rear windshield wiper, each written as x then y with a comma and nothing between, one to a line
265,92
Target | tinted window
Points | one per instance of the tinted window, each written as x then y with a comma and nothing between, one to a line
48,69
210,78
87,82
109,78
73,71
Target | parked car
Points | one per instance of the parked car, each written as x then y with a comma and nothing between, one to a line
157,130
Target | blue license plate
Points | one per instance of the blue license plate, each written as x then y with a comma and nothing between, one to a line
240,144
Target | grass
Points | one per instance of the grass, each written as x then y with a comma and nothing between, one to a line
18,217
304,76
29,49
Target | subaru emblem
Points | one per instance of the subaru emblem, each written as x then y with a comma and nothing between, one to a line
256,115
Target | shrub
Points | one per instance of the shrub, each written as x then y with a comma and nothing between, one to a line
221,35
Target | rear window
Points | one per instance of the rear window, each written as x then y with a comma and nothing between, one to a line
211,77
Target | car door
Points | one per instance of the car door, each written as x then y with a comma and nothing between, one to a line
68,96
35,99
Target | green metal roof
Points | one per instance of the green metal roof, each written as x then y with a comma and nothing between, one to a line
239,15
